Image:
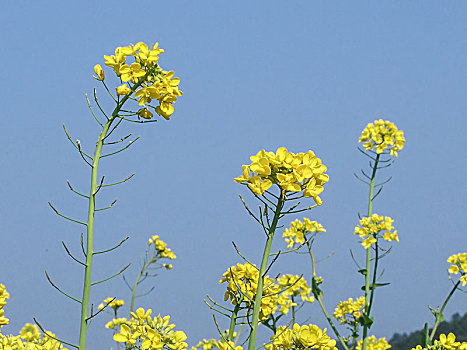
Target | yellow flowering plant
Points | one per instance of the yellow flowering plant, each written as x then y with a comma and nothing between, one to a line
142,85
280,180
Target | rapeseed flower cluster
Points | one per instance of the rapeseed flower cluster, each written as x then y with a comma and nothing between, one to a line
374,344
382,135
4,295
374,227
144,74
445,342
459,265
242,286
208,344
291,172
143,331
349,309
161,249
114,304
301,338
298,229
29,337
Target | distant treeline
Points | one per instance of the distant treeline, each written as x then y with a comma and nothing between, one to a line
457,325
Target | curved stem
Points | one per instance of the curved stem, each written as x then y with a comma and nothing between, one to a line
320,301
264,263
133,294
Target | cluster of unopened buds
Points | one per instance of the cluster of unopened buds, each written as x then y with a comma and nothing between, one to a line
301,338
374,227
144,78
382,135
298,230
161,247
115,304
291,172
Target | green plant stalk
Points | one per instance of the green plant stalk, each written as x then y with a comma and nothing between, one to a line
90,222
368,255
320,301
264,263
133,294
233,319
439,315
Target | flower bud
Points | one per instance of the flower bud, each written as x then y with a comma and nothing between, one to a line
100,73
145,113
122,90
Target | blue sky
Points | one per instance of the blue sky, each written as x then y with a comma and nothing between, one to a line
255,75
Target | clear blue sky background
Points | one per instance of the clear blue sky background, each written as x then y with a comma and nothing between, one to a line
255,74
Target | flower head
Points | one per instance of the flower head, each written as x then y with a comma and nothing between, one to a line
291,172
459,265
382,135
374,227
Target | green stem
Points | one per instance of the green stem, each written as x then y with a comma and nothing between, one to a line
439,315
133,294
233,319
90,224
368,256
320,301
264,263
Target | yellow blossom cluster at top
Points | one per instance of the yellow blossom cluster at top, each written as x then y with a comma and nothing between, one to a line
143,331
298,230
115,304
382,135
29,337
459,265
445,343
376,226
144,74
374,344
242,286
349,308
161,248
291,172
301,338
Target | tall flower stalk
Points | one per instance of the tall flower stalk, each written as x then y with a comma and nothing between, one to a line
140,82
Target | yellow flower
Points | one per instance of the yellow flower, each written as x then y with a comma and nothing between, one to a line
122,90
374,227
99,72
153,340
349,308
30,332
126,336
166,108
459,265
291,172
297,231
146,94
133,72
374,344
382,135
